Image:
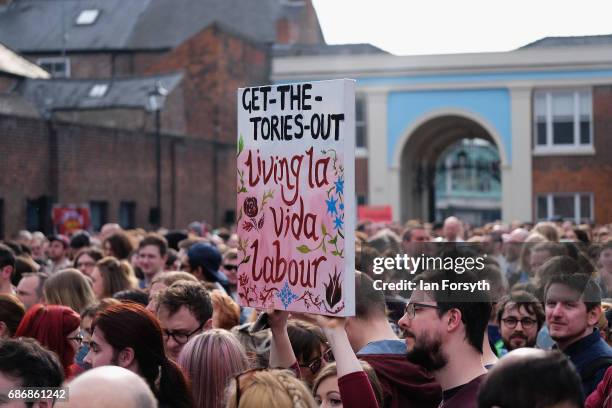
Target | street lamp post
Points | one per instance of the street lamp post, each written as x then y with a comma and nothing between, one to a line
157,97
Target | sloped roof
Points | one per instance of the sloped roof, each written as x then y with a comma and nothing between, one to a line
67,94
282,50
12,63
31,25
169,23
585,40
50,25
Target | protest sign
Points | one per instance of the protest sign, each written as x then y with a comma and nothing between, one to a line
296,197
70,218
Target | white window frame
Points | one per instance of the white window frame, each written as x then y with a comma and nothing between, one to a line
556,149
54,60
577,215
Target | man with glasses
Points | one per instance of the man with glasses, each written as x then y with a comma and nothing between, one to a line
184,309
520,317
448,328
373,340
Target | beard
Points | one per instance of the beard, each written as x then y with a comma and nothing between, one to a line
510,343
427,353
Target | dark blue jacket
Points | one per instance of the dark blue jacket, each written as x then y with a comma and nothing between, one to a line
585,351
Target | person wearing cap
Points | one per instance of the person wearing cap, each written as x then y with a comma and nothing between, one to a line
58,253
203,262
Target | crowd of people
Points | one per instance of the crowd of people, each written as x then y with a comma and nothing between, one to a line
135,319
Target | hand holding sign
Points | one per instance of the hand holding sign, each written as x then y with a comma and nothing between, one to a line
296,205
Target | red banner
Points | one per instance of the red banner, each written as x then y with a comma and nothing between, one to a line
70,218
375,213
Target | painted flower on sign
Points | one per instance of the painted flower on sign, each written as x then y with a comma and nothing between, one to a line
339,184
286,296
331,206
250,207
333,290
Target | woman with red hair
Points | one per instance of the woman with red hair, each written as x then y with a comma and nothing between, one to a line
56,328
129,336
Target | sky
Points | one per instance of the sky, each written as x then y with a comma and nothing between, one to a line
407,27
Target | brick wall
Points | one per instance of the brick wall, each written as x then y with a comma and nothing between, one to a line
104,164
105,64
24,167
82,65
215,63
361,177
593,173
299,26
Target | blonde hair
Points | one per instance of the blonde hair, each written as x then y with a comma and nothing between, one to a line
69,287
330,370
230,254
271,389
548,229
226,312
168,278
116,275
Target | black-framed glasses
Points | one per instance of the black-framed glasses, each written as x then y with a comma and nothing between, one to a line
179,337
511,322
412,307
78,338
315,364
231,267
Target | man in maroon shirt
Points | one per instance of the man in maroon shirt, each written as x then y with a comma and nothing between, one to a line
448,326
373,340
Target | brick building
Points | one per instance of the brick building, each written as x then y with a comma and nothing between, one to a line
88,135
547,109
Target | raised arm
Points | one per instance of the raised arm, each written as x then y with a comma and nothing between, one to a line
281,352
335,332
353,383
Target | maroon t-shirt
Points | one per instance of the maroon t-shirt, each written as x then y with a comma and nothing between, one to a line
463,396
